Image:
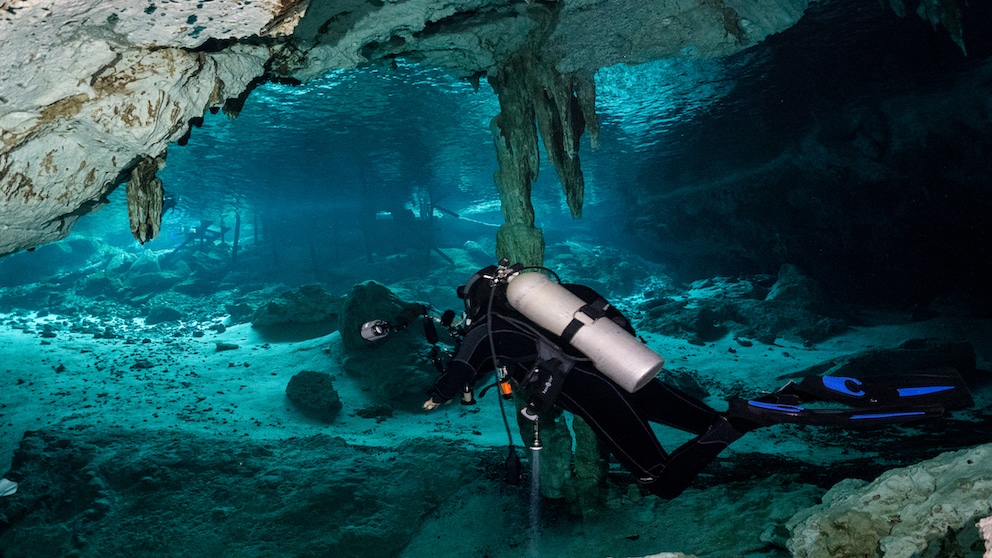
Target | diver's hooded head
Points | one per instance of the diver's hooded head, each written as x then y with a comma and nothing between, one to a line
477,293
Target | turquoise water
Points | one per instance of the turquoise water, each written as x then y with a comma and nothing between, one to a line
144,415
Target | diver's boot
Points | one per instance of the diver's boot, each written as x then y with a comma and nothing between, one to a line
740,416
745,417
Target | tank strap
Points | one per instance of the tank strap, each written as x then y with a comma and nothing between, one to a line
594,310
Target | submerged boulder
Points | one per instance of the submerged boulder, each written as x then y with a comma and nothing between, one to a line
914,355
307,304
795,287
760,307
314,395
239,312
160,314
390,367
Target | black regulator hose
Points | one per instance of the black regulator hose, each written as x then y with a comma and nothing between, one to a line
496,366
513,468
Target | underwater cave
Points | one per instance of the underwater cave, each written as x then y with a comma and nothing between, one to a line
202,204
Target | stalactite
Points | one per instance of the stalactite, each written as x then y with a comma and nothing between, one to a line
516,155
946,13
938,12
145,197
535,98
515,141
584,85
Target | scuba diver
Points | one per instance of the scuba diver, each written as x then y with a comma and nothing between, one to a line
564,345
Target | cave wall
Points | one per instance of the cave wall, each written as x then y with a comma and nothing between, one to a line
92,88
862,157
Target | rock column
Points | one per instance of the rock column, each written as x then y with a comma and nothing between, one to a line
535,98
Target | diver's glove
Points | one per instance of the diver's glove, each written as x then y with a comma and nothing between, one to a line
432,403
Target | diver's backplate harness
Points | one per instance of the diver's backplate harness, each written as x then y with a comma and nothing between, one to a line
561,318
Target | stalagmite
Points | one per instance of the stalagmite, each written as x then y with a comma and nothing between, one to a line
145,197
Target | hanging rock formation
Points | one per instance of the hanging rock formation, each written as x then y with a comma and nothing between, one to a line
145,197
534,97
60,160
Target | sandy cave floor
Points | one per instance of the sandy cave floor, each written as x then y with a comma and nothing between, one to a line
185,383
164,378
151,378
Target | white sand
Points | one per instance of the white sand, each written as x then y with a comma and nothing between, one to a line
192,386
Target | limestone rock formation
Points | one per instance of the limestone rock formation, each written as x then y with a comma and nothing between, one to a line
755,307
160,314
391,368
91,88
928,509
314,495
145,197
305,305
793,286
911,356
534,97
79,114
985,526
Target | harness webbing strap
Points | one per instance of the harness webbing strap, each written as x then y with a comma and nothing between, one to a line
594,310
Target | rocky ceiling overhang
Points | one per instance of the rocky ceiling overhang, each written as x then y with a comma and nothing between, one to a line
92,92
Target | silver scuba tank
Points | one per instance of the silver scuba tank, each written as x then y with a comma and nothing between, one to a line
615,352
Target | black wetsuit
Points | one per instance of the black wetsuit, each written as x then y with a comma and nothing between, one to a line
619,418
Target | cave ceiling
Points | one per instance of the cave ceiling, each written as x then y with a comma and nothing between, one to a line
94,91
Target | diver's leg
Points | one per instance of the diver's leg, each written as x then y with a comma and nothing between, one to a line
664,404
611,413
668,405
686,462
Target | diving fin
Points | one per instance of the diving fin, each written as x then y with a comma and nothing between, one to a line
870,402
769,412
940,386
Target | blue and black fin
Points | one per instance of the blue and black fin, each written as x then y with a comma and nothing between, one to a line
940,386
769,412
870,402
